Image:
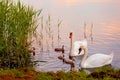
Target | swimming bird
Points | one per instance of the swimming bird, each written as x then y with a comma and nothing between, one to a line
67,61
60,49
32,50
96,60
75,46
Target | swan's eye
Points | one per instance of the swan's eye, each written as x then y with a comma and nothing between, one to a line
80,49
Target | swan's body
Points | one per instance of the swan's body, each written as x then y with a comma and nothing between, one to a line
75,46
96,60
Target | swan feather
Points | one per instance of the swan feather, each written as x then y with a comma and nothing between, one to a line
77,45
97,60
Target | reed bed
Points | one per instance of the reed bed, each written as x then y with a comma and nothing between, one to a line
17,25
45,33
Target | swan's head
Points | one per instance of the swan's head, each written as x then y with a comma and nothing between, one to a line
80,49
70,35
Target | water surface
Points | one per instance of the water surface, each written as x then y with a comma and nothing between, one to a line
104,15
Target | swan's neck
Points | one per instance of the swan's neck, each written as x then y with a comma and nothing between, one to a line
71,46
85,55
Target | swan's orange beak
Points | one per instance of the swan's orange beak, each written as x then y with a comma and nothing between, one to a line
70,35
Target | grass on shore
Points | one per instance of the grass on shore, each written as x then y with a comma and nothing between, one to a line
31,74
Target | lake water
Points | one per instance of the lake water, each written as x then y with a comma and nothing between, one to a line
103,14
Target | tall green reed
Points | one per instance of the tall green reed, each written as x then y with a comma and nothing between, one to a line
40,35
49,33
46,34
85,36
17,25
47,29
58,25
91,30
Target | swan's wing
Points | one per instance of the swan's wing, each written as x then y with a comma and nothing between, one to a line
77,45
97,60
81,43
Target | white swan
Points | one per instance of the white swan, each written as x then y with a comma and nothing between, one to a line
96,60
75,46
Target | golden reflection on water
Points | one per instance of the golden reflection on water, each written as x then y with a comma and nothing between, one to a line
113,29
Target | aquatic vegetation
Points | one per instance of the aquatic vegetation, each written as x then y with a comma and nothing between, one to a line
45,33
17,25
39,35
85,36
58,25
48,32
88,31
91,32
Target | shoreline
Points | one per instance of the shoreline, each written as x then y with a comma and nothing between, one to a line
31,74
